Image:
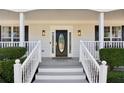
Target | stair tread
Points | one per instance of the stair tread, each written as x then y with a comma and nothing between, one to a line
60,67
60,73
60,81
57,64
60,70
60,63
59,77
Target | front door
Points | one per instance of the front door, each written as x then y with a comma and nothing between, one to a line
61,43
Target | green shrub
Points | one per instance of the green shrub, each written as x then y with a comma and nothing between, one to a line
115,77
113,56
11,53
0,69
7,70
7,60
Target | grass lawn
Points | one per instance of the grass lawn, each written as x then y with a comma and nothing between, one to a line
115,77
117,81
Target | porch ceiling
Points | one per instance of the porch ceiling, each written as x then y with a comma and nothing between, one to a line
115,15
61,14
8,15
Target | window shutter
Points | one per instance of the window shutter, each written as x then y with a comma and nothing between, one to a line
26,32
96,33
122,32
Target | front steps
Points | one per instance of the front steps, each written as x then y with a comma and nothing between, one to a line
60,73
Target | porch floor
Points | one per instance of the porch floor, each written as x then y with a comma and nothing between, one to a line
60,61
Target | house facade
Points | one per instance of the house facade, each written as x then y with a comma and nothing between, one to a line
62,44
61,30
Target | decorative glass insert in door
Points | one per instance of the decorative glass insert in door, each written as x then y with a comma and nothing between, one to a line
52,42
61,42
69,42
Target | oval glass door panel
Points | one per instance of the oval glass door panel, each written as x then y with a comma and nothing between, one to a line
61,42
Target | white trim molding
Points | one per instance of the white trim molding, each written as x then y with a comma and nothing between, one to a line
62,27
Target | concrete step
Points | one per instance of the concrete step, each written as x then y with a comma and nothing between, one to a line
60,73
60,66
60,62
60,81
60,69
60,77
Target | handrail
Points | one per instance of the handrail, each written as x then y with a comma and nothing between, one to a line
29,55
29,66
95,73
87,51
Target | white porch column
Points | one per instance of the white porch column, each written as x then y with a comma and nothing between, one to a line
21,18
101,29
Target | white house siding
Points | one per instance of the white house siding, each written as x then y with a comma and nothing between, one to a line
35,33
88,34
83,20
87,29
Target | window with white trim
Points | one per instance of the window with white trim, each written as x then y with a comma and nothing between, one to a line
112,33
6,33
15,33
107,33
116,33
10,33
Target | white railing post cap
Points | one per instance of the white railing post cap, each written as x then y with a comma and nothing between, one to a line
17,61
104,62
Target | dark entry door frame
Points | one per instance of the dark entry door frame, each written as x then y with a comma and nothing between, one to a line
61,43
69,30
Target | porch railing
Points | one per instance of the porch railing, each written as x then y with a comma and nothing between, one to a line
24,73
96,73
29,45
94,46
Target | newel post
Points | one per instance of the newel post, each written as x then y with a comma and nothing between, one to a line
17,72
103,72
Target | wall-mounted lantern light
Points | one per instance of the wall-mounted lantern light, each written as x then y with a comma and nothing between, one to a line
79,32
43,32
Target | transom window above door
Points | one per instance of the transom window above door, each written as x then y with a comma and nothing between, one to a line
112,33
